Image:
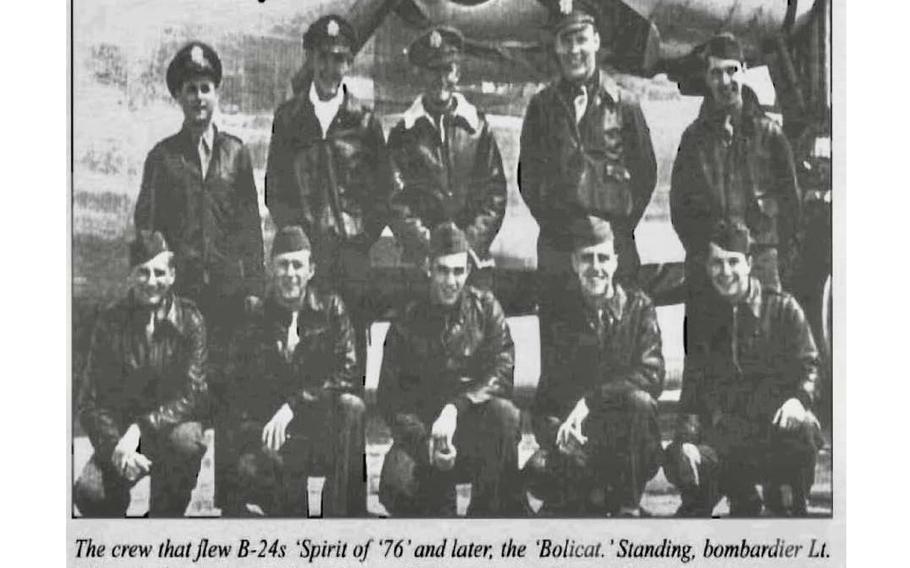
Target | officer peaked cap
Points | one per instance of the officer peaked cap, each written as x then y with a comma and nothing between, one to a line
146,246
571,14
330,33
194,58
437,46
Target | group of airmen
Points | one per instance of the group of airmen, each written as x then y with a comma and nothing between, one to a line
274,358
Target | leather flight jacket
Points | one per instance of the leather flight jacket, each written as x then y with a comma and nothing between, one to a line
155,381
435,355
335,186
454,174
264,373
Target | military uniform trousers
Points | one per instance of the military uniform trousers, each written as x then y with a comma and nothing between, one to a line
486,441
325,439
737,453
622,454
176,454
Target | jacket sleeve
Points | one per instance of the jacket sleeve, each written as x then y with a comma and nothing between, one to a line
801,353
689,211
249,226
101,422
280,196
691,408
376,211
148,202
553,352
497,356
646,368
195,391
344,356
641,161
789,202
404,219
487,202
397,391
533,162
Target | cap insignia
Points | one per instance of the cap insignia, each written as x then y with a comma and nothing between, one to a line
197,56
565,7
332,28
435,39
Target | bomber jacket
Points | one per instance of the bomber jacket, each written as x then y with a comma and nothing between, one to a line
261,377
597,354
604,165
334,186
453,175
212,224
436,355
155,382
758,355
749,177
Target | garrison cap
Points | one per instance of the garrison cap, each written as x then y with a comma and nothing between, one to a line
724,46
146,246
194,58
437,46
571,14
331,33
734,237
447,239
589,231
290,239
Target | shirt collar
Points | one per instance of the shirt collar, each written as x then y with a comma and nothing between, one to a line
463,109
333,102
209,136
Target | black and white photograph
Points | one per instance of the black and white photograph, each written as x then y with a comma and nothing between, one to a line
429,259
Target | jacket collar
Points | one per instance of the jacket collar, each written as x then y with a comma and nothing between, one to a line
753,299
614,304
463,109
311,303
172,314
303,107
211,135
713,118
606,86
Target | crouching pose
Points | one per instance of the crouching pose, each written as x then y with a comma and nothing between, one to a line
293,408
142,390
595,410
746,396
444,391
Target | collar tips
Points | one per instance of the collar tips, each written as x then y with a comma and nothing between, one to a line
463,109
